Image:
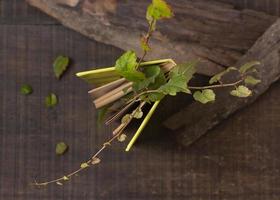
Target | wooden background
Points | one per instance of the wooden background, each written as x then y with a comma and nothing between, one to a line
237,160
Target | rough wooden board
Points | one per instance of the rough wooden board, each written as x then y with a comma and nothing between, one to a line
216,33
193,121
234,161
271,7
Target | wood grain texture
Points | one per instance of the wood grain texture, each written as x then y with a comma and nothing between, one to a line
234,161
193,121
214,32
271,7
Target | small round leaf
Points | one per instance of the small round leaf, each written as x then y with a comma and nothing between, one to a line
61,148
26,89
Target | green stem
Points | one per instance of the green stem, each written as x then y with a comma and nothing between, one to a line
142,126
148,36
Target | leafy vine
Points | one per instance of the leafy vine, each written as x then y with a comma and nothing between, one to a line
151,84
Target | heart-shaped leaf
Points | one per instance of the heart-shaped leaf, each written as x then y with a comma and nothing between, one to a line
241,91
204,96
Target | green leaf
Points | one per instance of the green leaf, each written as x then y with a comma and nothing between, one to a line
155,96
61,148
126,67
26,89
247,66
188,69
241,91
250,80
176,83
138,114
122,138
51,100
151,72
95,161
204,96
84,165
159,81
158,9
144,45
125,118
218,76
60,64
65,178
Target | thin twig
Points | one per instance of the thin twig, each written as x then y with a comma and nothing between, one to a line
147,38
215,86
122,126
119,113
89,161
190,87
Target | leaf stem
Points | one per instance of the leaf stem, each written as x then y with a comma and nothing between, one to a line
215,86
221,85
147,38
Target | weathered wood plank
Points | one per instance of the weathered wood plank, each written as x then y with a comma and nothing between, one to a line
193,121
19,12
214,32
271,7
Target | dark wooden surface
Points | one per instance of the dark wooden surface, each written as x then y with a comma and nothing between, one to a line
237,160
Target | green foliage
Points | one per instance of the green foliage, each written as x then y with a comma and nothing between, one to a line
250,80
95,161
61,148
151,72
138,114
122,138
150,84
176,83
159,81
188,69
60,65
204,96
125,118
144,45
241,91
158,9
218,76
155,96
51,100
84,165
126,67
178,79
248,66
26,89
